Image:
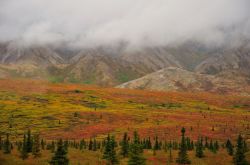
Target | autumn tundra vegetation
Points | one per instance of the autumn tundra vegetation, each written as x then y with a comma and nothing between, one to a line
61,124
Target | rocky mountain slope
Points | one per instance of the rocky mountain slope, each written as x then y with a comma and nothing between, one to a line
102,70
176,79
37,56
229,59
182,67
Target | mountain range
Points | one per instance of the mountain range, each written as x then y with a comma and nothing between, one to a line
187,67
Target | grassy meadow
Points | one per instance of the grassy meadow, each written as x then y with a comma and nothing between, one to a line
74,112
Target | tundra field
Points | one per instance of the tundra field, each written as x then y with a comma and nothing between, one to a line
75,112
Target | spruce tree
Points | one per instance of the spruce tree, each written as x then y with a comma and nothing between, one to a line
199,149
216,145
125,145
36,150
52,147
182,155
144,143
192,145
90,144
229,147
60,156
24,153
42,144
29,141
7,145
82,144
239,157
94,145
149,144
107,147
188,142
66,145
170,156
136,152
211,146
109,151
156,145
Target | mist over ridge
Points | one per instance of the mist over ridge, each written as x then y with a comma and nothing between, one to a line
141,23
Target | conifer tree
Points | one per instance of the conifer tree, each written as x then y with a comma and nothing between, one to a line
211,146
188,143
99,145
199,149
182,155
24,153
192,145
136,152
52,147
7,145
109,151
144,143
94,145
42,144
239,157
29,141
170,156
66,145
90,144
156,145
11,146
60,156
36,150
216,145
82,143
229,147
125,145
149,144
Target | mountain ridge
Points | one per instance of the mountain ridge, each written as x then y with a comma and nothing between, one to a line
112,66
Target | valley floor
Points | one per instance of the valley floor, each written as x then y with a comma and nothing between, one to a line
73,112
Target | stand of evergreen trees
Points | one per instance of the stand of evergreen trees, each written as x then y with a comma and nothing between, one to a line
182,155
241,149
109,151
132,149
60,156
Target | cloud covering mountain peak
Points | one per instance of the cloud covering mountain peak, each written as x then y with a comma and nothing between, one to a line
88,23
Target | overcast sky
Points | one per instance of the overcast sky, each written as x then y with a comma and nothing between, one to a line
139,22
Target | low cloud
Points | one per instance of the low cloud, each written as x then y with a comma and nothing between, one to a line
88,23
